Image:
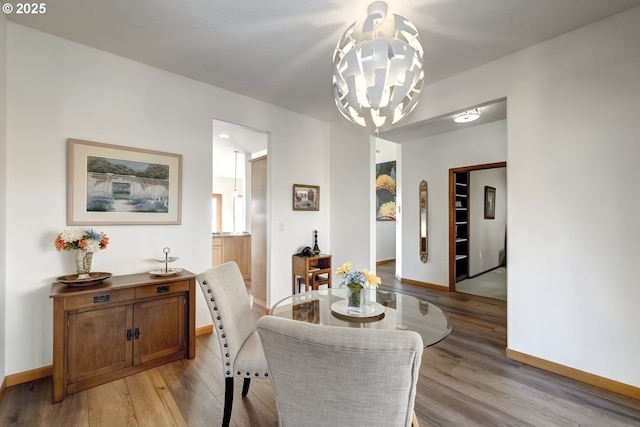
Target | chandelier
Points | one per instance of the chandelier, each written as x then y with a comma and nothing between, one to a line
377,69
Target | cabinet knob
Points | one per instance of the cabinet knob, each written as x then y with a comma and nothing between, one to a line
162,289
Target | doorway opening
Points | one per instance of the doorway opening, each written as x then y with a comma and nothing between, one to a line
477,228
239,203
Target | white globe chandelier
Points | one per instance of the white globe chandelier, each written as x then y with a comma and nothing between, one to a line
377,69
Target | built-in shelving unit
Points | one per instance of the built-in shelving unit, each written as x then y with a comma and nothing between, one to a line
462,225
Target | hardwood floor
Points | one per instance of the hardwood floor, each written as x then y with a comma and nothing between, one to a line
465,380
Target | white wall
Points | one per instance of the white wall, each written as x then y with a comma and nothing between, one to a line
487,236
352,166
573,165
3,191
58,89
430,159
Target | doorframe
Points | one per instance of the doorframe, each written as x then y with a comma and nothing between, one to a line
452,214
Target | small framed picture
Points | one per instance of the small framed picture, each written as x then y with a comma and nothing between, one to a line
489,202
306,197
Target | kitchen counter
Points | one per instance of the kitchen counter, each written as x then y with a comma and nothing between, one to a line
232,247
229,233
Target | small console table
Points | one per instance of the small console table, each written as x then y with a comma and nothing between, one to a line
313,271
119,327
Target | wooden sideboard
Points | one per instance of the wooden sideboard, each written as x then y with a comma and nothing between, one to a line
122,326
233,247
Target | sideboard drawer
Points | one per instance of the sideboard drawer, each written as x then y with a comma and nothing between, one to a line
162,288
99,297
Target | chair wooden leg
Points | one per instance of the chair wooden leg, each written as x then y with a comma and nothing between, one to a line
245,386
414,420
228,401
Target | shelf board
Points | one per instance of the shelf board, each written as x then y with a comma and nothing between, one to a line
458,240
461,223
460,257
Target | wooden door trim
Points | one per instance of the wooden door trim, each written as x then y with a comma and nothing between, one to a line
452,214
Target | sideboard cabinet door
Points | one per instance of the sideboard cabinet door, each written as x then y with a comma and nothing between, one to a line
160,329
98,342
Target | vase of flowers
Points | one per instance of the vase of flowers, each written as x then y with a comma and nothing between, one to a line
356,282
85,243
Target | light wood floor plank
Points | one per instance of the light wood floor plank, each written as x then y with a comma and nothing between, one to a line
153,406
72,412
197,403
110,405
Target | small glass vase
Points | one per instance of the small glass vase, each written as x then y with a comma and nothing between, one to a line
83,264
355,299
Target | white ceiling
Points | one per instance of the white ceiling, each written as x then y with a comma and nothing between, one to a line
279,51
244,140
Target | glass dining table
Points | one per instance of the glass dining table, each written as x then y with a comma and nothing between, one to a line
384,310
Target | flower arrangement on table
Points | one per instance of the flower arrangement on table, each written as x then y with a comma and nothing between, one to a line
88,240
356,281
85,242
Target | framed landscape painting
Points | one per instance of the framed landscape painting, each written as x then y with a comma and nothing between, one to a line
111,184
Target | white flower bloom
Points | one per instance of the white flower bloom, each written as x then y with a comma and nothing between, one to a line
92,246
72,235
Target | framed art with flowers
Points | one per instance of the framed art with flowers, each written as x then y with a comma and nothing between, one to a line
112,184
386,191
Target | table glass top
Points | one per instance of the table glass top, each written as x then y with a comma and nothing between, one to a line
400,311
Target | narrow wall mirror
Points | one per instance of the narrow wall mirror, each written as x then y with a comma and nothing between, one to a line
424,251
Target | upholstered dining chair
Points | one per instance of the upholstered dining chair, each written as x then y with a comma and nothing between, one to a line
338,376
240,349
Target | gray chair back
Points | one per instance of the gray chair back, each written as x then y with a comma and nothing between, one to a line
230,307
340,376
